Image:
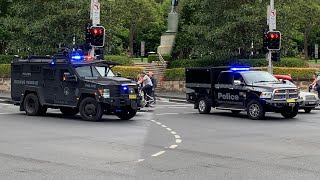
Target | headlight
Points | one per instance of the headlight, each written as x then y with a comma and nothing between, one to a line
132,91
266,95
106,93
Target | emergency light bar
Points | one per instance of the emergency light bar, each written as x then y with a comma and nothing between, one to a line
239,68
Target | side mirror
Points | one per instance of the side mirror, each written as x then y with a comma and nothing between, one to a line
69,78
238,83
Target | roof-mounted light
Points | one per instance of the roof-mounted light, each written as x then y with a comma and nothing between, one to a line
77,56
243,68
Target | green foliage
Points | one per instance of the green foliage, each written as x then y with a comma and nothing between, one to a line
174,74
128,71
291,62
6,59
296,73
153,57
5,70
123,60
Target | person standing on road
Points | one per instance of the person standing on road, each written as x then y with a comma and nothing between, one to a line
146,85
154,84
316,83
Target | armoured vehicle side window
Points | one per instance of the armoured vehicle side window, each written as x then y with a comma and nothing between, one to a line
237,79
225,78
48,74
63,72
87,71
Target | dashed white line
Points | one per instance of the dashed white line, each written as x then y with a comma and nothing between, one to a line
178,141
6,113
172,132
159,123
140,160
163,125
153,120
177,136
173,146
169,129
158,153
163,114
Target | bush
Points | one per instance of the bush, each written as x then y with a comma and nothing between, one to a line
155,57
128,71
291,62
175,74
296,73
6,59
123,60
5,70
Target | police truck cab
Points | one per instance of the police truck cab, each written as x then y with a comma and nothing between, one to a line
72,84
240,89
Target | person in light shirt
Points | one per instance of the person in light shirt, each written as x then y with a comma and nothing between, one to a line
146,85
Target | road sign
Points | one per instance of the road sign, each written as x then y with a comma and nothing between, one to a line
316,51
143,45
273,19
96,14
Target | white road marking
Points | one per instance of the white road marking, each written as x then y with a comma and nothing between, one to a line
178,141
173,146
169,129
4,104
177,136
163,114
159,123
6,113
164,126
140,160
153,120
172,132
158,153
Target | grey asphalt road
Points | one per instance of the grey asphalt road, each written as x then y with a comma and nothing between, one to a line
223,146
171,142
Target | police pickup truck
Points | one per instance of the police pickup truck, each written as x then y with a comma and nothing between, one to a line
71,84
240,89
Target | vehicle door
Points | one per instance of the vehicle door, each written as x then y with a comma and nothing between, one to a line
50,87
223,89
239,91
67,91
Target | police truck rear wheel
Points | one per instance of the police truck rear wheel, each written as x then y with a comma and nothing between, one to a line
31,105
255,110
90,109
69,111
126,114
203,106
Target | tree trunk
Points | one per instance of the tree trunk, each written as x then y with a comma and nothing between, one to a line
131,39
306,57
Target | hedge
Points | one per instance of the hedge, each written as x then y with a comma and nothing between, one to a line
6,59
128,71
123,60
155,57
5,70
296,73
225,60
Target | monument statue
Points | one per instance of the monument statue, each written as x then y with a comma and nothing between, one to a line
174,4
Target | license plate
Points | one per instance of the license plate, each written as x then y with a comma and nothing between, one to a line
291,101
132,96
311,103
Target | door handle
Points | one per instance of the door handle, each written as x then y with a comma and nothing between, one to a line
231,88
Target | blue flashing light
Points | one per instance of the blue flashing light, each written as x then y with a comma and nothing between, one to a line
77,56
124,88
240,68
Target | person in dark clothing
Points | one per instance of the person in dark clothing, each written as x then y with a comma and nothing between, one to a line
154,83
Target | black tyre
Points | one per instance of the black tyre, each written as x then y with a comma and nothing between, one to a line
255,110
203,106
42,110
235,112
290,112
90,109
69,111
31,105
126,114
307,110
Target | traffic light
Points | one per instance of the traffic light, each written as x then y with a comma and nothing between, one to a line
88,35
97,36
275,56
265,41
274,40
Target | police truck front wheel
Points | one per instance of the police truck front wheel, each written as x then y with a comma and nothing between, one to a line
126,114
255,110
32,105
90,109
290,112
203,106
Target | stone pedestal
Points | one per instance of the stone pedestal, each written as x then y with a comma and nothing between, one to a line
168,38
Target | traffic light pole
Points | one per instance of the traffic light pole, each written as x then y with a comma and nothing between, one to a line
270,67
92,52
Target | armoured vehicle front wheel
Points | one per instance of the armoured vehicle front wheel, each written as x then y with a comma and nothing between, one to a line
203,106
90,109
126,114
255,110
32,105
69,111
307,110
290,112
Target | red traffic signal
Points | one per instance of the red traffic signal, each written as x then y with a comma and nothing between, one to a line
97,36
274,40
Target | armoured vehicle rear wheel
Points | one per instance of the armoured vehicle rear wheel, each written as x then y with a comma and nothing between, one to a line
255,110
69,111
31,105
90,109
203,107
127,114
307,110
290,112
